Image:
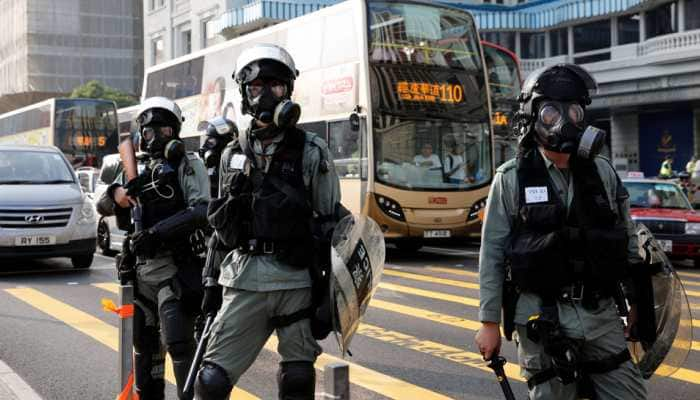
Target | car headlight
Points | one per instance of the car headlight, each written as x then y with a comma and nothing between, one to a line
87,213
390,207
692,228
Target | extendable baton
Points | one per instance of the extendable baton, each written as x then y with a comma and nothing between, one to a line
188,390
496,364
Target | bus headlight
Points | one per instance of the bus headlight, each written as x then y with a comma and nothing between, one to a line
476,209
692,228
390,207
87,213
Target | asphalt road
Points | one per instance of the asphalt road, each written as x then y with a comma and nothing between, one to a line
416,342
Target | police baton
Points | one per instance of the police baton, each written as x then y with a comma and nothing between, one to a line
188,390
496,364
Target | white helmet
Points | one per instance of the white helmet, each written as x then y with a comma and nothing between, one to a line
147,113
259,52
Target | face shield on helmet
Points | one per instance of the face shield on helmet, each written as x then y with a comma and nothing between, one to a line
265,74
553,102
219,132
159,120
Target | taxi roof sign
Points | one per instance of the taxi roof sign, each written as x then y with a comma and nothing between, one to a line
635,174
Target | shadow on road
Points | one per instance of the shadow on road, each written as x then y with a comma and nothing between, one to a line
23,267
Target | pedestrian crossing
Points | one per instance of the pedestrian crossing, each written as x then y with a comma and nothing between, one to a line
412,303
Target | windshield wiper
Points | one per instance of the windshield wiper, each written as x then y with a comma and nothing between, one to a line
55,181
17,182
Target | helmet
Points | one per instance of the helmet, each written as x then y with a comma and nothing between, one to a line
159,121
552,104
272,63
219,132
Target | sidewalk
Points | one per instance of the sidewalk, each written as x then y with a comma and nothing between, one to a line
12,387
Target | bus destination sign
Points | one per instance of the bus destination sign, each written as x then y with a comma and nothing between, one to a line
430,92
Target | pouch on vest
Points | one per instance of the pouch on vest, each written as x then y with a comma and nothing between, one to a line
227,216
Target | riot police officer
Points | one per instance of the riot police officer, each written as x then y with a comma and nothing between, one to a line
173,192
277,178
219,132
556,248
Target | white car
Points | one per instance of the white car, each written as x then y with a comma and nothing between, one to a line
43,210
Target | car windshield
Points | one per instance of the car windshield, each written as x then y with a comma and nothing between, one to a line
33,167
656,195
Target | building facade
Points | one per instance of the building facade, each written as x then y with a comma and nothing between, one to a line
51,46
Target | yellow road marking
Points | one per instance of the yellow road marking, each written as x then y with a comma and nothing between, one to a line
426,314
429,293
90,326
359,375
430,279
455,271
434,349
689,274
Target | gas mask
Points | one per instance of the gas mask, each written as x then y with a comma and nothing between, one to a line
159,142
268,102
211,150
559,128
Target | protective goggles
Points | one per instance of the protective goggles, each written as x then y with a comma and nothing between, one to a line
257,86
149,133
551,114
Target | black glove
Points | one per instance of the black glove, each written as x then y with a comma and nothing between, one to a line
126,266
238,185
145,243
212,299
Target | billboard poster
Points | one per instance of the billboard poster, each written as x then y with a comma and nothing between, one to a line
662,134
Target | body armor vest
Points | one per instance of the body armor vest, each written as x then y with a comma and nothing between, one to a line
551,249
165,198
273,207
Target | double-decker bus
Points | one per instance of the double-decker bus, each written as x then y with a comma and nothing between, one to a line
84,129
397,88
505,79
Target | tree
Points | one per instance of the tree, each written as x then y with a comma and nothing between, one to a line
98,90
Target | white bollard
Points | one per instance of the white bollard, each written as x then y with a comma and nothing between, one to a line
336,379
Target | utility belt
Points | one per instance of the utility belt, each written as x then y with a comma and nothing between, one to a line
296,253
265,247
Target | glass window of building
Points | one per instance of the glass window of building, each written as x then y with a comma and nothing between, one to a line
592,36
559,42
151,4
186,42
208,33
161,3
628,29
157,50
692,14
503,39
662,20
532,45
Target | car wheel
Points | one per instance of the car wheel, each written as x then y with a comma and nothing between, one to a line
83,261
104,239
409,245
696,263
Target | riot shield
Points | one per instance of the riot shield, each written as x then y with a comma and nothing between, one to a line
357,255
666,351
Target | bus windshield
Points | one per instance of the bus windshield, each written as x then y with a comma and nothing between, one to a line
430,111
86,130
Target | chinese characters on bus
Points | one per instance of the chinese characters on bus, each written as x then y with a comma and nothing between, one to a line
430,92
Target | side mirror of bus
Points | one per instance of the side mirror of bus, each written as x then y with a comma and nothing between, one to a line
354,122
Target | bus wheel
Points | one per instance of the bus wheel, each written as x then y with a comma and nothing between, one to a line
83,261
409,245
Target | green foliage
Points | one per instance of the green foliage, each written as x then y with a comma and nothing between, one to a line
98,90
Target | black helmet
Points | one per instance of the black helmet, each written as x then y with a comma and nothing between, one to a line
219,132
556,82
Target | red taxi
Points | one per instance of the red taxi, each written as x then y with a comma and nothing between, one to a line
664,208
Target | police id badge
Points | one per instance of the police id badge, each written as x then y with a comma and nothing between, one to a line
536,194
239,162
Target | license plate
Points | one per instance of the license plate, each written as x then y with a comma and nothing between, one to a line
35,240
666,245
443,233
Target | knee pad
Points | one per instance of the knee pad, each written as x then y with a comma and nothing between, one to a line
212,383
296,380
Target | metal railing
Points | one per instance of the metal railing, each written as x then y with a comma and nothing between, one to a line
672,42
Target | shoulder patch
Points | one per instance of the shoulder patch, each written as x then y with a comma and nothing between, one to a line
191,155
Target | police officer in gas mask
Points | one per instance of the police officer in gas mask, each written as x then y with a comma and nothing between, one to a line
556,249
173,192
275,179
219,132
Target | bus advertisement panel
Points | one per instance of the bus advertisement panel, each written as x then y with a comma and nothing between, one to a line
84,129
407,76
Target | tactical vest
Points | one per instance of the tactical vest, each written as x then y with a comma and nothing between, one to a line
551,249
273,213
165,198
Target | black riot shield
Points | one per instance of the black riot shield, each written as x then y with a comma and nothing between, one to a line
357,254
664,351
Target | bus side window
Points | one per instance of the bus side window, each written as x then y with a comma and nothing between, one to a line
344,144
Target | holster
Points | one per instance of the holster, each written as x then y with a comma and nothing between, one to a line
187,282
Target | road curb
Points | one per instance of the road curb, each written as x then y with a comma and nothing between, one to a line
13,387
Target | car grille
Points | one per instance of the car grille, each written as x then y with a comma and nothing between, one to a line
664,226
24,218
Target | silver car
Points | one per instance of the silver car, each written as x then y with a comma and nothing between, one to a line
43,210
